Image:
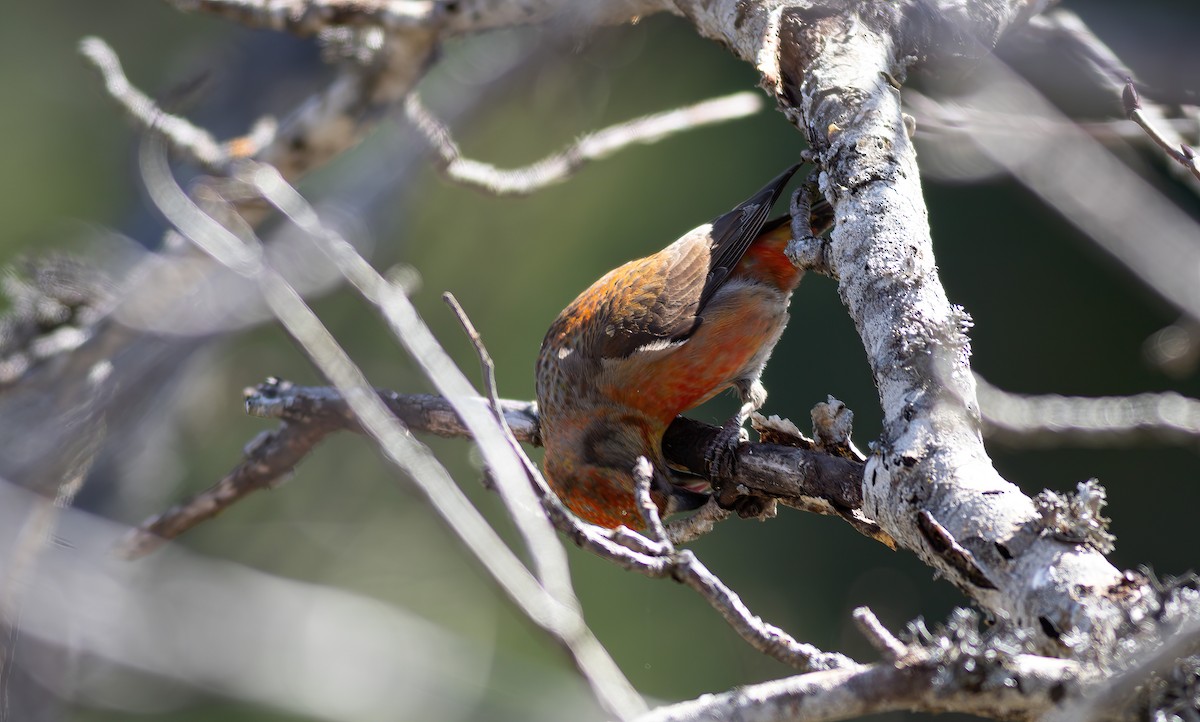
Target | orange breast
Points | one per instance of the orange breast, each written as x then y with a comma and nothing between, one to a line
765,260
738,324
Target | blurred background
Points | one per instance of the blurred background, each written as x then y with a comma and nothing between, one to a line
1052,314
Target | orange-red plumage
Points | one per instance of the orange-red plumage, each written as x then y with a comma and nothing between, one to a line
652,339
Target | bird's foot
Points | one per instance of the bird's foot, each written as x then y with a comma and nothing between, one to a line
721,460
721,456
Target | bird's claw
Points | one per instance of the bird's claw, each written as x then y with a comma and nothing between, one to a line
721,455
721,459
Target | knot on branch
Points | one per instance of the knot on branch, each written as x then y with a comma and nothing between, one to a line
833,423
1076,518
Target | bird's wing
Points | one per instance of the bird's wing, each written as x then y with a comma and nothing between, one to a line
657,302
652,302
733,233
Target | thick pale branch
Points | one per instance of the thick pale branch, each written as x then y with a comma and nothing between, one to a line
929,482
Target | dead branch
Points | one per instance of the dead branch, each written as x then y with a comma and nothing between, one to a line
930,464
308,17
188,140
1054,419
952,670
801,477
594,146
1037,683
1065,29
884,642
1181,153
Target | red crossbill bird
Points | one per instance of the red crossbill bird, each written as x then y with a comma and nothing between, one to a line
652,339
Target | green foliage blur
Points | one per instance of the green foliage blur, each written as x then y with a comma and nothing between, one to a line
1051,313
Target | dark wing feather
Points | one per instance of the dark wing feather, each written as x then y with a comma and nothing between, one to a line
661,296
733,233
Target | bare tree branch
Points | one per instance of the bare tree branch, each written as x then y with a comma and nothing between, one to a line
186,139
1053,419
1065,27
643,474
308,17
1035,684
593,146
880,638
801,477
1181,153
930,464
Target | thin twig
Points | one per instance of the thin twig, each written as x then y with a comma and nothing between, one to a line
1181,153
682,531
878,635
1113,75
959,120
643,475
485,358
763,636
191,141
593,146
1055,419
